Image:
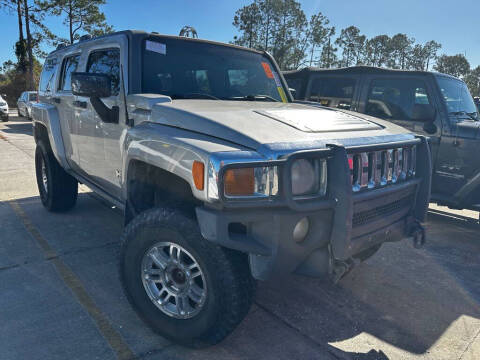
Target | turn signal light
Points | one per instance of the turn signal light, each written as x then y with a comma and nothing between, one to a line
239,182
198,171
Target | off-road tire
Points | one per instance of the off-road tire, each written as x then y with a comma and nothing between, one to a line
230,285
62,188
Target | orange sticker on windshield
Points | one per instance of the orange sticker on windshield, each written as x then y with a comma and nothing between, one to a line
267,70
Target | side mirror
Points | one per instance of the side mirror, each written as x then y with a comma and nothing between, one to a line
91,85
96,86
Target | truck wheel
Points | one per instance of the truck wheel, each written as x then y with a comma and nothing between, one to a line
58,190
186,288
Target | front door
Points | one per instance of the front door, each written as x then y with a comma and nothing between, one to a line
459,159
407,101
101,156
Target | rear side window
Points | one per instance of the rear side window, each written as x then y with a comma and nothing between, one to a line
333,92
48,75
106,62
295,84
68,67
397,99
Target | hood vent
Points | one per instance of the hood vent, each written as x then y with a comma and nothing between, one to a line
320,120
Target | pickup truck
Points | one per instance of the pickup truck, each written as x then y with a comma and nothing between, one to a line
434,105
223,180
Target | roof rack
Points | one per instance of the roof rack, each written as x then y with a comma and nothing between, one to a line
61,46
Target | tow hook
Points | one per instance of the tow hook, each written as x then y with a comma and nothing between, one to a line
417,232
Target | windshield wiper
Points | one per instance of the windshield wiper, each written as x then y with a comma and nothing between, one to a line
254,98
463,112
194,96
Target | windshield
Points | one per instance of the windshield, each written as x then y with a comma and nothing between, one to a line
32,97
457,97
188,69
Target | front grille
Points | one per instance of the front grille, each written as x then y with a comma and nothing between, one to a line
370,170
368,216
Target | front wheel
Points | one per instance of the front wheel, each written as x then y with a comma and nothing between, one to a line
187,289
58,190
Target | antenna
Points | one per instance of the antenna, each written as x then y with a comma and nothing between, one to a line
127,120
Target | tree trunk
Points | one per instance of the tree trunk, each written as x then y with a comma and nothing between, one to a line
21,39
20,23
70,20
29,48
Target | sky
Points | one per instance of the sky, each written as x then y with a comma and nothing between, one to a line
452,23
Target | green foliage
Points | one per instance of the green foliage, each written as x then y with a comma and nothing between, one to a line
473,81
281,28
79,15
456,65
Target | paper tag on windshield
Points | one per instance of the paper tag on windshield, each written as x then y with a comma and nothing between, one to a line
156,47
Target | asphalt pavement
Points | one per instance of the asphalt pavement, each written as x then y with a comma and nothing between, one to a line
60,295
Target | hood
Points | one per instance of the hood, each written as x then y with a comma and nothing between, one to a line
269,125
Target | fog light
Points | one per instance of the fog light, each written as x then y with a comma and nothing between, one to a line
301,230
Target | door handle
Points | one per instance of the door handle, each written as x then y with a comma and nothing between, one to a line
80,104
57,100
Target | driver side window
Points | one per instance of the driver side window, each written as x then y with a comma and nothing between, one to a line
398,99
106,62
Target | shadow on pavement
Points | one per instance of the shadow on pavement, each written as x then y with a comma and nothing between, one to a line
18,126
401,296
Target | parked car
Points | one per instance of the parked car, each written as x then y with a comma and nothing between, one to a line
222,179
3,109
25,102
435,105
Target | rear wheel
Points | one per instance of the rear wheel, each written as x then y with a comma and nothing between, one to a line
58,190
187,289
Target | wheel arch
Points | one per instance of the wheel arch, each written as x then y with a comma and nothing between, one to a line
149,186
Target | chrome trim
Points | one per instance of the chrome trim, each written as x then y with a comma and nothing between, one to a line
374,169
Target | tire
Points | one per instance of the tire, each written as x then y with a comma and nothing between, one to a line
59,192
225,276
5,119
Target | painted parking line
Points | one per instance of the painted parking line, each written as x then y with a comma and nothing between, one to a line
114,339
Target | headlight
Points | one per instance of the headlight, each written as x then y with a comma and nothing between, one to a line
3,103
309,177
251,181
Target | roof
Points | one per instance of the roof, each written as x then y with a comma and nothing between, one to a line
141,33
362,69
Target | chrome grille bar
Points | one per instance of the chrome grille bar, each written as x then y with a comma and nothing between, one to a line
370,170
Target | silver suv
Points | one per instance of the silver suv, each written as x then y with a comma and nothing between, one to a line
221,177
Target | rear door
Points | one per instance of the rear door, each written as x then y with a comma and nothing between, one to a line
336,91
63,99
405,100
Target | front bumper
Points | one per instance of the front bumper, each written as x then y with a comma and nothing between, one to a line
340,226
4,113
